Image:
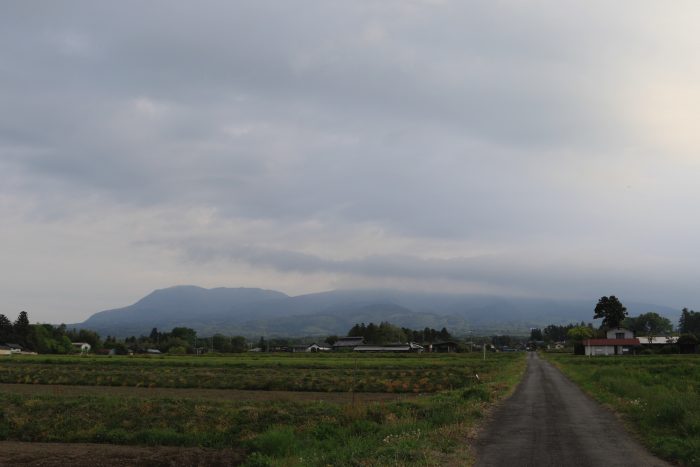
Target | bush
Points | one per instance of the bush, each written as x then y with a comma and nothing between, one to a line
278,441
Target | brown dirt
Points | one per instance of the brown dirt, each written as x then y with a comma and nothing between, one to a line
196,393
14,453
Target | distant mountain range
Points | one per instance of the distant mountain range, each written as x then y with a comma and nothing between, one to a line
258,312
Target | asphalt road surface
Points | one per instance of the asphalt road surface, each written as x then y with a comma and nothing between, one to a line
549,421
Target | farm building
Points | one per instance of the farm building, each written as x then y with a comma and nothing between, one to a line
618,341
309,348
409,347
656,341
5,350
14,348
83,347
348,343
317,348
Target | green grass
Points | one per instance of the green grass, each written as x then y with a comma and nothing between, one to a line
658,396
292,372
427,430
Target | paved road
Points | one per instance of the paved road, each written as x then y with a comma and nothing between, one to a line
549,421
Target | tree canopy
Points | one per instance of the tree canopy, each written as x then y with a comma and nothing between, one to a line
689,322
650,324
580,333
611,310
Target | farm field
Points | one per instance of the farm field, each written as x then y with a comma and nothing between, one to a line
290,410
282,372
657,396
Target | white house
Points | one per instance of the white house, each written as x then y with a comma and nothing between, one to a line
618,341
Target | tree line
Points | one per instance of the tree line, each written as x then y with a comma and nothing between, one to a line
43,338
386,333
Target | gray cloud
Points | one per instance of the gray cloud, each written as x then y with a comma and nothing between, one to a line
496,132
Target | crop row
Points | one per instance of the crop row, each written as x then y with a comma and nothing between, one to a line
421,431
331,380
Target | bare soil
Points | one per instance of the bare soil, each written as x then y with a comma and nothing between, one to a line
197,393
83,454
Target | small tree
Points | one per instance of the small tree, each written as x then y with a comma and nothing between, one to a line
611,310
579,333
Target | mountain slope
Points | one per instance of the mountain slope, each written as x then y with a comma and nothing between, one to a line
255,312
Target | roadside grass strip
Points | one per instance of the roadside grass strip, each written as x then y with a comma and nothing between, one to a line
658,397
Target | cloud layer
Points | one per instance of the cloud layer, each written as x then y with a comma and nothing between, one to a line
546,150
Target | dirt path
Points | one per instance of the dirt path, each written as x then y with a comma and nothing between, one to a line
196,393
14,453
549,421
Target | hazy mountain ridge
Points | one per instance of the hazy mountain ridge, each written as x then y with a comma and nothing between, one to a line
254,312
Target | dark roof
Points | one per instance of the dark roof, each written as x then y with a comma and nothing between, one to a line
348,341
611,342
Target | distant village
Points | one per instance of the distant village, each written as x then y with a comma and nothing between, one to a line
619,334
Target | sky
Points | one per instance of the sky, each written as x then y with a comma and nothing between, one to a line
539,149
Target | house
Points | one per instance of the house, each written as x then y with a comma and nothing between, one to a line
409,347
443,347
348,343
83,347
309,348
14,348
153,351
5,350
618,341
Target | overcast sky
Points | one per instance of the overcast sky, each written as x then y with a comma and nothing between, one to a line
546,148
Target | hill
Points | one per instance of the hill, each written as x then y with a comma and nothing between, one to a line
255,312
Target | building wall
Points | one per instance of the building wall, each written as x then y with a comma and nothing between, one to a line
611,334
593,350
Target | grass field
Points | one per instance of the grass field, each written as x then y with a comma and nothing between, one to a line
429,425
658,396
290,372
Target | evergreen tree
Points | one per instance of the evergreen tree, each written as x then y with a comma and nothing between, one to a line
689,322
21,327
5,329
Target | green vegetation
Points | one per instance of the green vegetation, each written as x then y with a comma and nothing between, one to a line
426,430
659,397
648,324
611,310
386,332
289,372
